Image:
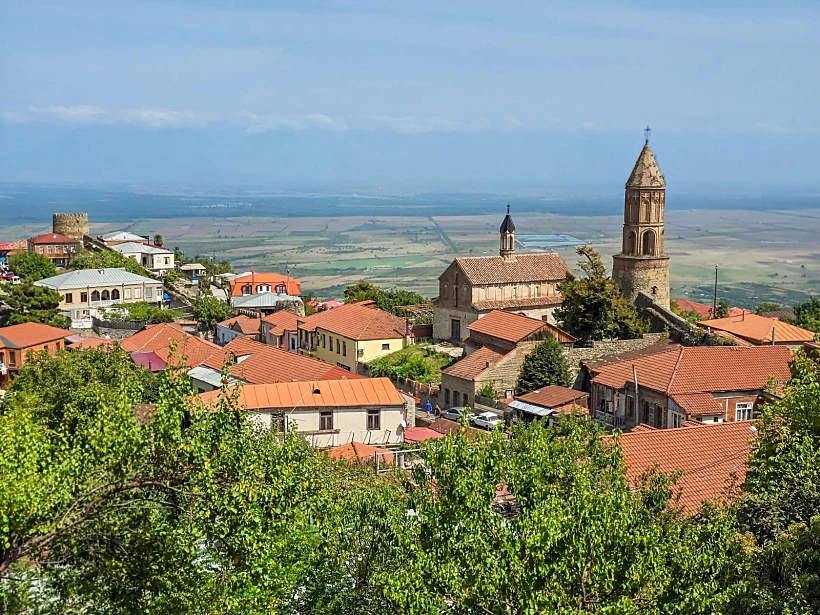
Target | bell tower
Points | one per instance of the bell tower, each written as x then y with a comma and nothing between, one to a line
642,265
507,232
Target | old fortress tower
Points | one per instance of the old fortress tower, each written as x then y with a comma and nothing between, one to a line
74,226
642,265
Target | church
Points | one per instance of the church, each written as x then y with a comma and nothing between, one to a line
472,287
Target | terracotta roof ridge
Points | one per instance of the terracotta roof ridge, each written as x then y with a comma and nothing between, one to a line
674,371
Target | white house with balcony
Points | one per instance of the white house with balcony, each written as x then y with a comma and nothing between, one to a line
155,259
86,291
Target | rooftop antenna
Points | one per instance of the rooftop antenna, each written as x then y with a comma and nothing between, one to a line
646,132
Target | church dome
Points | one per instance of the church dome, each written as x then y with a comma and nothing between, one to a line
507,226
646,173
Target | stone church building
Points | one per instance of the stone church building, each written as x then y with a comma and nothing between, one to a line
642,265
472,287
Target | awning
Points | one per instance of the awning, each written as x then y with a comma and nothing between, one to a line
531,408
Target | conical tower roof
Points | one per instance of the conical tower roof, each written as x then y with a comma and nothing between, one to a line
507,226
646,173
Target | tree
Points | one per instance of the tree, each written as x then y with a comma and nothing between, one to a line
32,267
690,316
807,314
29,303
105,259
141,311
545,365
768,307
309,309
593,307
158,240
389,300
214,269
361,291
170,278
722,309
208,311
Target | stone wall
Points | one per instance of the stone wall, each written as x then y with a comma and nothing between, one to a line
634,275
602,349
71,225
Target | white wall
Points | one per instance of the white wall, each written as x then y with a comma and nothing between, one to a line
225,334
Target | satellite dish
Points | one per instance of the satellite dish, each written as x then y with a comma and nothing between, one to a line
403,424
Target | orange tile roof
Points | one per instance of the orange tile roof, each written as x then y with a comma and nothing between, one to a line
514,327
680,371
92,342
512,304
474,364
282,321
266,364
292,285
246,324
357,321
553,396
412,435
699,404
758,329
447,427
27,334
707,456
701,309
157,339
52,238
363,453
332,393
538,267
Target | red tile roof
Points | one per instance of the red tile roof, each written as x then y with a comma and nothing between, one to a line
282,321
246,324
292,285
332,393
413,435
28,334
701,309
538,267
264,364
474,364
681,371
363,453
708,457
512,304
554,396
699,404
52,238
91,342
157,338
513,327
357,321
758,329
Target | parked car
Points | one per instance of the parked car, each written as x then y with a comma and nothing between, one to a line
14,279
487,420
457,414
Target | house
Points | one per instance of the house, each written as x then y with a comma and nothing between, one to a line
155,259
86,291
9,249
151,347
549,401
238,326
256,283
57,248
256,363
472,287
351,334
447,427
711,460
280,329
779,314
16,341
701,309
493,354
754,330
328,412
192,271
266,303
708,384
117,237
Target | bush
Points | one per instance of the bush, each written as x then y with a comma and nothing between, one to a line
140,311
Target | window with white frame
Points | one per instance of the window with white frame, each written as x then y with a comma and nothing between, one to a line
374,418
137,293
326,420
127,293
743,411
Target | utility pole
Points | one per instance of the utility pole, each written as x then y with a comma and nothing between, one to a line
714,300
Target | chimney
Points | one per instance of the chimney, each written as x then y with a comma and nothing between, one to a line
774,333
743,319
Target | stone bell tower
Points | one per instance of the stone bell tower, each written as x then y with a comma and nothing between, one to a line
642,264
507,231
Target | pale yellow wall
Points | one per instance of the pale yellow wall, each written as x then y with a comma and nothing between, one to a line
372,349
156,295
514,291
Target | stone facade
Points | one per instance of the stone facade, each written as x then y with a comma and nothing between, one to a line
642,265
71,225
503,375
602,349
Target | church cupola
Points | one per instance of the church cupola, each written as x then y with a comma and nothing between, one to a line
507,232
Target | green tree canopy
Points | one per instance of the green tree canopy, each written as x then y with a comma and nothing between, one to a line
387,300
545,365
29,303
361,291
141,311
722,309
807,314
31,267
105,259
208,311
158,240
768,307
593,307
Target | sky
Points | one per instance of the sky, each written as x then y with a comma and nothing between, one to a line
418,95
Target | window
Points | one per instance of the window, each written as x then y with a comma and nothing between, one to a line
247,289
743,411
69,298
12,357
446,397
57,346
338,346
645,412
630,407
344,348
281,289
323,341
374,418
536,291
386,346
149,292
715,419
95,295
137,293
167,260
115,294
50,249
343,366
127,293
326,420
515,292
83,297
658,416
455,398
105,296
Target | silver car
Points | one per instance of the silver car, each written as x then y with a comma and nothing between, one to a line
457,414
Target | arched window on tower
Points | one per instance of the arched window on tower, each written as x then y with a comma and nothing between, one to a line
648,243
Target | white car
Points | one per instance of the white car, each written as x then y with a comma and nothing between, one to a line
487,420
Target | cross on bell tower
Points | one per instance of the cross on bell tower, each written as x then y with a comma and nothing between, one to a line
646,133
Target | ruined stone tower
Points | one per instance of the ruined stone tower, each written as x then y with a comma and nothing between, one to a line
70,225
507,232
642,264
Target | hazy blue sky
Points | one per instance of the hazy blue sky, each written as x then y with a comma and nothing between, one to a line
434,94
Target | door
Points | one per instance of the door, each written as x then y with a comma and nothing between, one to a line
455,329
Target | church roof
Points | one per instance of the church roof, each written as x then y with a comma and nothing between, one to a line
507,226
646,173
536,267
